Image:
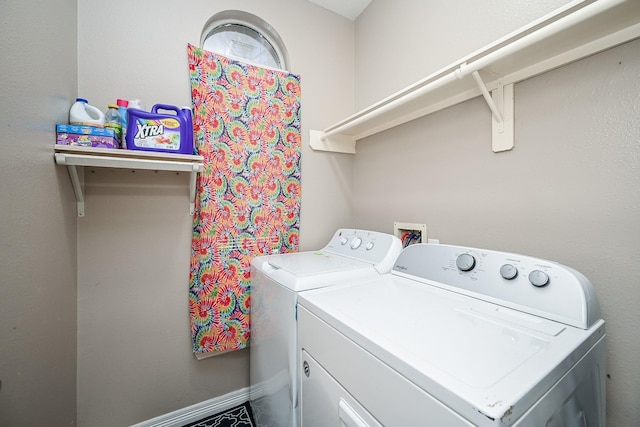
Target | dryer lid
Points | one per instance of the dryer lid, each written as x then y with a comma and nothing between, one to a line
464,351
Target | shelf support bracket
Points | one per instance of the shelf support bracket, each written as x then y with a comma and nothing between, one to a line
497,115
335,143
77,180
501,104
192,189
503,133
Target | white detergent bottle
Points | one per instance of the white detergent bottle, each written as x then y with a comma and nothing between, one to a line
81,113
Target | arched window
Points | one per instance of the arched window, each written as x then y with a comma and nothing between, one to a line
245,37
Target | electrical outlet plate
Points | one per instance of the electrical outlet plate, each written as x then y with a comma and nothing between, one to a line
399,228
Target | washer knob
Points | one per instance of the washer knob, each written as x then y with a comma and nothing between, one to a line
539,278
344,241
508,271
356,242
465,262
369,246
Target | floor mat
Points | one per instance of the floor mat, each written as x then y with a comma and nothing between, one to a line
240,416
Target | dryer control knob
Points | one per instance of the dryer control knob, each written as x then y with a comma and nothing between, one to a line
508,271
369,246
356,242
344,241
465,262
539,278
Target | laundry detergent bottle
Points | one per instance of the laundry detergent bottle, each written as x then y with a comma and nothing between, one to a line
166,128
81,113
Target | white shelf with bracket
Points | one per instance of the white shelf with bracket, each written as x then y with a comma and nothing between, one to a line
76,158
575,31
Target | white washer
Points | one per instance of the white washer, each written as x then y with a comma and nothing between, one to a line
276,280
454,336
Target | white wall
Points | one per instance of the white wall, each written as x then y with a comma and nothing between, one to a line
568,191
134,351
37,216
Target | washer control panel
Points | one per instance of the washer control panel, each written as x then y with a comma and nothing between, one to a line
377,248
528,284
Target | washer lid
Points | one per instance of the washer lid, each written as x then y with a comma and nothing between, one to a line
470,354
302,271
313,263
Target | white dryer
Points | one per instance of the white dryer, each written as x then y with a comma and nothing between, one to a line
276,281
455,336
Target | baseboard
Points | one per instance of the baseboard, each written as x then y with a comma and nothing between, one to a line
198,411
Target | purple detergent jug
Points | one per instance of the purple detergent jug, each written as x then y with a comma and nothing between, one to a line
161,132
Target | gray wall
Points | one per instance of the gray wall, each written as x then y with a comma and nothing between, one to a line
38,45
569,191
134,346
